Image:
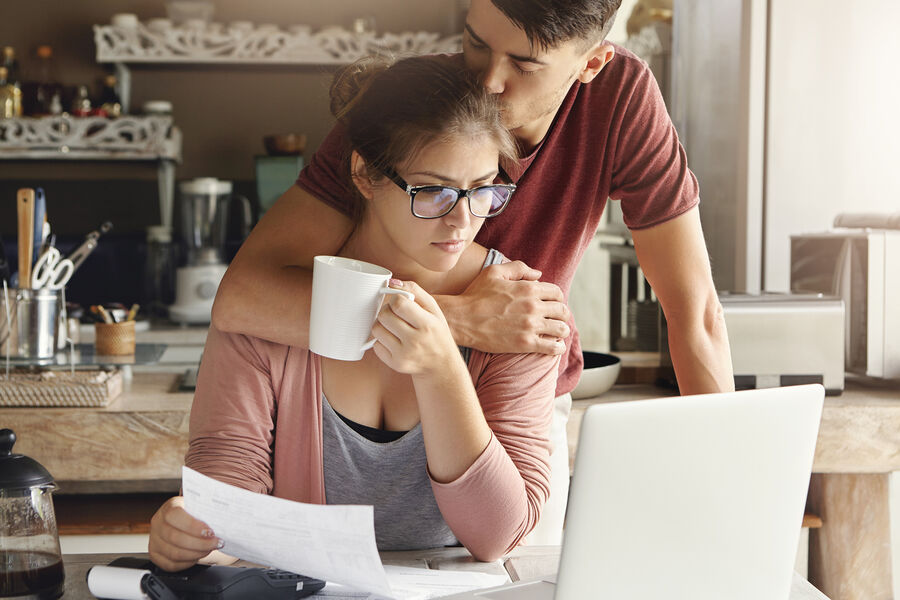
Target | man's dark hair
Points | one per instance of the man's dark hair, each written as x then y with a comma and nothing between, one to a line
548,23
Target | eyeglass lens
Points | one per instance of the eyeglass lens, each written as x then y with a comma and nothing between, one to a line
438,201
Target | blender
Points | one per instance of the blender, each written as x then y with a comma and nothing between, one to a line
205,203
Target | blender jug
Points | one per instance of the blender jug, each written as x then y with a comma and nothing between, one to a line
205,206
30,559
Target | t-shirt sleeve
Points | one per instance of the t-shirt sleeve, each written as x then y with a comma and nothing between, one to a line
322,176
650,177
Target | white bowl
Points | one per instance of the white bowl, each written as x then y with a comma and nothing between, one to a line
599,374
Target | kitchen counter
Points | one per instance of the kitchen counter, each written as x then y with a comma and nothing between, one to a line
184,344
137,444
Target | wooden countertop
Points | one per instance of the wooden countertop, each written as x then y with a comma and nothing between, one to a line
137,443
859,431
522,564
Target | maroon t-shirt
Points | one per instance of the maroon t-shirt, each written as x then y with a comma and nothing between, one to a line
612,138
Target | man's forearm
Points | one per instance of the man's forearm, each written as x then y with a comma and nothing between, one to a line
701,354
272,304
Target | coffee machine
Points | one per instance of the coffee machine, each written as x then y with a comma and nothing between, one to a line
205,204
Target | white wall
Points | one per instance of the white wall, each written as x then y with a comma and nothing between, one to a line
617,34
833,119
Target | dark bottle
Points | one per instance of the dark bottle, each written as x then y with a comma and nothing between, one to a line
81,105
109,104
11,64
47,85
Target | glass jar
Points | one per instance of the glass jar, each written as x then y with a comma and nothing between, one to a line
30,559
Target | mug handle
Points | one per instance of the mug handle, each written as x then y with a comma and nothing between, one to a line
386,290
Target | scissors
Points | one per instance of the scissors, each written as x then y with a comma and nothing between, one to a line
52,271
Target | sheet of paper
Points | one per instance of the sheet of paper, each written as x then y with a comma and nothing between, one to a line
334,543
409,583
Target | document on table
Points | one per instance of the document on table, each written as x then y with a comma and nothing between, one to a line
409,583
334,543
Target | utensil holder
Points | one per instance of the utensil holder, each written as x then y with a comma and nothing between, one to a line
33,323
114,339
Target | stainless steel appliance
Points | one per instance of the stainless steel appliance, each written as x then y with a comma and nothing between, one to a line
782,339
862,266
204,213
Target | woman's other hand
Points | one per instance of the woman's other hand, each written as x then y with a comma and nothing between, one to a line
178,540
412,335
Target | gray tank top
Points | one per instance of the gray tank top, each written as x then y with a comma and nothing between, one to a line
392,476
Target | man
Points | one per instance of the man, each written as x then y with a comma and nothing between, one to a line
591,125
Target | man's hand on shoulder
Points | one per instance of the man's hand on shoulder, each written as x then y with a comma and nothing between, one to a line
506,309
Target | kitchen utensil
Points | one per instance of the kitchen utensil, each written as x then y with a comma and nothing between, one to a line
29,541
33,323
4,263
40,220
599,374
52,271
25,207
81,253
346,297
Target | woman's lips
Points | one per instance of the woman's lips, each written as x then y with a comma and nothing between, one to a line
451,246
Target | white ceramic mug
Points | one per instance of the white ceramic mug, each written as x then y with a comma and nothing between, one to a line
346,297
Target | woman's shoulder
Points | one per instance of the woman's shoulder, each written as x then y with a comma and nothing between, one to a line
247,346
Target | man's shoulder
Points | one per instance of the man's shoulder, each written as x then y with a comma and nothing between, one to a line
625,80
625,71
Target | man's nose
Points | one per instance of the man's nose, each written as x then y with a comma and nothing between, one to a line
492,76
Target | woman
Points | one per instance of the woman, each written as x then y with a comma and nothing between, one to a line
450,446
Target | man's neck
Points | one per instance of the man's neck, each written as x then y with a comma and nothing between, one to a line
531,135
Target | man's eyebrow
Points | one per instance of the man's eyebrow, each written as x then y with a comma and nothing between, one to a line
515,57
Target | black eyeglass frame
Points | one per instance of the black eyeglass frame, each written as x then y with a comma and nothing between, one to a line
461,193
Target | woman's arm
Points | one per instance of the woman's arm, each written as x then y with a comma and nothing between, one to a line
488,448
230,433
498,500
233,414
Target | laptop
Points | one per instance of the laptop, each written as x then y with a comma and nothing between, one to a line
693,497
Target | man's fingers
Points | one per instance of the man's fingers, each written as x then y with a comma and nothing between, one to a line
514,271
547,291
554,328
549,345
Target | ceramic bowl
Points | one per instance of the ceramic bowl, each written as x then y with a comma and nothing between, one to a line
599,374
285,144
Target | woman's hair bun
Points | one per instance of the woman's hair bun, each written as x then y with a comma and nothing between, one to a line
351,82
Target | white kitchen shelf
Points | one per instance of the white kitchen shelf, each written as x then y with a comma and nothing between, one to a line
90,138
237,43
131,137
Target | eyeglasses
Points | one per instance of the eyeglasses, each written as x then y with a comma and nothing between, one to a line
435,201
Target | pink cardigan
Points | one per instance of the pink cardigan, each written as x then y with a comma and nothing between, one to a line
256,423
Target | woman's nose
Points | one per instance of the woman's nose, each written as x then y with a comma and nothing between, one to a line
460,217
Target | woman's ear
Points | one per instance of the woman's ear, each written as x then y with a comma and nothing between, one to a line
359,172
